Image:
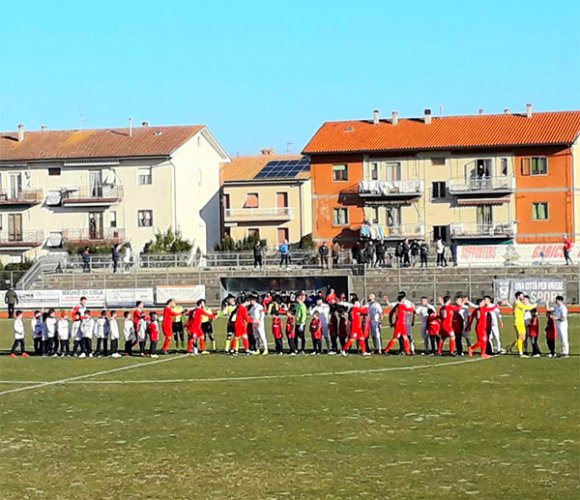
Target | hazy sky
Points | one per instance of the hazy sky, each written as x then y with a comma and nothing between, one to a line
266,73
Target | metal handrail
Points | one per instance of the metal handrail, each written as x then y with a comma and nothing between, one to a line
87,193
22,237
23,196
259,212
400,187
111,234
465,185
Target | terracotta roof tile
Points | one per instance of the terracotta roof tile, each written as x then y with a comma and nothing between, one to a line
97,143
244,168
449,132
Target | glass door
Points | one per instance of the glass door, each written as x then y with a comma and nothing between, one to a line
15,186
95,183
95,226
14,227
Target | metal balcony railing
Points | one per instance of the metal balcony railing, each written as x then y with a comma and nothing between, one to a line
391,189
19,239
487,230
482,185
95,195
109,235
22,197
258,213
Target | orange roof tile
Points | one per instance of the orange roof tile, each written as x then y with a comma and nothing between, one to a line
245,168
448,132
96,143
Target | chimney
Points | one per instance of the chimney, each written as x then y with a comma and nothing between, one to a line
130,127
506,111
267,151
528,110
145,123
43,128
427,116
376,116
395,117
481,111
20,132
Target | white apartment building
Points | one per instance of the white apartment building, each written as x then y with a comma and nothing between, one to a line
107,185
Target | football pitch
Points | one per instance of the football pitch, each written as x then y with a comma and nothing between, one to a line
290,427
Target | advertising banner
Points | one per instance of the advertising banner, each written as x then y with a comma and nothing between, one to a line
70,298
38,299
181,294
540,290
127,297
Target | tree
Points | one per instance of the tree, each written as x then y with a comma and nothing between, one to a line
168,242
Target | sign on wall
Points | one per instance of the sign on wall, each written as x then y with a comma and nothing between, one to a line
514,254
540,290
127,297
38,299
181,294
70,298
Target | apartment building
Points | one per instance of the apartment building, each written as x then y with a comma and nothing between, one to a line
107,186
480,179
268,196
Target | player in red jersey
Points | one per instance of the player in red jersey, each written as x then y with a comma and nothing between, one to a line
167,325
316,333
291,330
399,320
194,329
433,330
480,315
138,314
551,334
153,331
80,308
356,327
241,326
447,314
277,331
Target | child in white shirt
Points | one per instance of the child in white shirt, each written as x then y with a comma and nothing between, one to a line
87,330
114,334
18,336
142,335
37,327
77,334
62,329
51,340
128,333
102,332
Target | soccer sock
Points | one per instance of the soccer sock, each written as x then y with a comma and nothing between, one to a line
440,348
264,341
390,344
190,345
347,345
213,345
202,344
233,344
452,346
166,343
407,345
520,344
246,344
363,346
228,344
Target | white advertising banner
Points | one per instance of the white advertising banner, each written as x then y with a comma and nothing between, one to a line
540,290
127,297
38,299
513,255
70,298
181,294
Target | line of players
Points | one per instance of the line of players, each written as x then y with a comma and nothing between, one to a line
339,324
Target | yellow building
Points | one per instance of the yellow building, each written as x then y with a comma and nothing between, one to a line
268,196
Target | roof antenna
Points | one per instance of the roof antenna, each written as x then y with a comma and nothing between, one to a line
288,148
82,119
441,109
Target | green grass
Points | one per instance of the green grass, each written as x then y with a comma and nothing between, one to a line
501,428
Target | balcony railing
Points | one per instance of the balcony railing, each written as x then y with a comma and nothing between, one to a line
492,186
91,195
494,230
109,235
23,197
21,239
282,213
398,232
401,190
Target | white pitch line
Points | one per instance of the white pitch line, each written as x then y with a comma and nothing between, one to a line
38,385
76,381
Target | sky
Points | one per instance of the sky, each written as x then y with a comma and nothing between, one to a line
268,73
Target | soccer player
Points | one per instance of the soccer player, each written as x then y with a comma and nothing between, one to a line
62,329
19,333
561,319
496,323
153,332
277,332
129,333
177,327
207,328
551,334
356,329
37,326
194,329
141,333
102,332
434,329
80,308
447,313
323,311
242,319
316,333
534,332
87,330
399,321
228,311
51,342
480,315
291,330
168,314
77,334
138,313
520,306
114,333
258,316
423,310
301,319
375,322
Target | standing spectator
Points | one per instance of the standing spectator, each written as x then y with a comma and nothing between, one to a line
258,256
86,260
284,254
405,253
116,257
323,252
380,252
440,250
336,249
369,254
128,257
414,252
356,253
424,252
453,249
11,300
567,246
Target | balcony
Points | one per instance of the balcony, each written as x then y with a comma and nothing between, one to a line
87,196
474,230
22,198
258,214
399,232
93,236
482,190
403,191
24,240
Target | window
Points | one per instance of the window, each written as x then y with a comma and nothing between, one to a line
340,173
540,211
54,171
504,167
226,201
485,217
483,169
252,200
145,218
537,165
441,232
144,176
438,162
113,219
374,215
254,233
283,235
439,190
340,216
393,216
374,171
282,200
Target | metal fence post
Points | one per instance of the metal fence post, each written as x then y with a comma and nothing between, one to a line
434,286
469,291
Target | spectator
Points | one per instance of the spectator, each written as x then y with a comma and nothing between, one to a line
414,252
380,251
453,249
356,253
285,258
440,250
86,260
11,300
399,253
323,252
116,256
336,249
258,256
369,254
567,247
424,252
405,253
128,257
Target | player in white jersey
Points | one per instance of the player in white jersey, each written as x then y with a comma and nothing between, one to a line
51,339
323,311
37,327
114,334
496,324
423,310
62,328
19,334
128,333
375,319
87,331
77,334
142,335
102,333
258,316
561,318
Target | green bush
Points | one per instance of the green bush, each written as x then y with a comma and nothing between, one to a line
94,249
168,242
228,244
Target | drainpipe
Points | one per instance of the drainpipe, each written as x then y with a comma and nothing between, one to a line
174,189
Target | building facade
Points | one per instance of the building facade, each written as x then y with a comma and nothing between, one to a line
482,179
99,187
267,196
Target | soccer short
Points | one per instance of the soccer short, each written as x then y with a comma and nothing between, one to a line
446,334
207,328
356,335
177,327
240,332
520,330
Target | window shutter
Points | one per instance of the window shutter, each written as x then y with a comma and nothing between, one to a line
525,166
252,200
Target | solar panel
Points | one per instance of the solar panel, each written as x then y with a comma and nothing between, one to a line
280,169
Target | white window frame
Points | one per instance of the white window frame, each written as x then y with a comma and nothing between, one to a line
534,203
141,176
335,218
150,218
336,167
